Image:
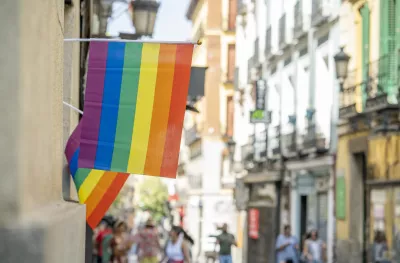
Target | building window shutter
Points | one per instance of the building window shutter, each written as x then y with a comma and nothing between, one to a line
365,16
229,115
231,62
232,15
388,55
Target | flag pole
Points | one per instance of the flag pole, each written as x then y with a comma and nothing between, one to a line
199,42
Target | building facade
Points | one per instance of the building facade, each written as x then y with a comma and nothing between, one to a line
367,169
205,172
286,104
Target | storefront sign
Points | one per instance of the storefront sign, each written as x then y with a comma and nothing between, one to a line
253,223
340,196
260,116
260,94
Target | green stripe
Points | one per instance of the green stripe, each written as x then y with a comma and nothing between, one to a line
80,176
127,106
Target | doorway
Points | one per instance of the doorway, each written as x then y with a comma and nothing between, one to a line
303,219
359,205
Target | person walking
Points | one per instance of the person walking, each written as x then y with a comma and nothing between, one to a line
148,245
225,241
379,248
314,249
177,248
120,244
287,247
105,231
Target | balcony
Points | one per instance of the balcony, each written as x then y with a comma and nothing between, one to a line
318,16
276,147
192,135
268,42
195,182
314,140
282,31
290,144
348,97
382,87
298,30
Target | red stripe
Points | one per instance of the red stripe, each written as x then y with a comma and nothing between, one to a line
177,110
108,198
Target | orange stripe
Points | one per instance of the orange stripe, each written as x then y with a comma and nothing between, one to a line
94,219
177,110
162,99
94,198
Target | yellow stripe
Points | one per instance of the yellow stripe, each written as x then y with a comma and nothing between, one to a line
89,184
144,108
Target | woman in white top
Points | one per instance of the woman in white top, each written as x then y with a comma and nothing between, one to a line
314,248
177,250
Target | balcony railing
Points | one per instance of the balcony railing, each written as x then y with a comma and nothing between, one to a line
290,142
312,139
317,13
348,97
282,30
298,19
378,90
383,84
195,182
191,135
276,149
268,41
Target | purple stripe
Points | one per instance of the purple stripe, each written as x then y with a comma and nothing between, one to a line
93,102
73,142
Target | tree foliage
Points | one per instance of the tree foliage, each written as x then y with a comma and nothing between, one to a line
153,197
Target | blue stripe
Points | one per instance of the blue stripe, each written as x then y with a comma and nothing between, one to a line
73,166
110,105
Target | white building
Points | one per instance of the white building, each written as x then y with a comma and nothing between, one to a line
291,44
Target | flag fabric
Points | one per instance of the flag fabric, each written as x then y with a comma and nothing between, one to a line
134,107
96,188
135,101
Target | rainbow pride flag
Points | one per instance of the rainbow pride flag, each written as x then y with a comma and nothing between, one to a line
135,101
134,107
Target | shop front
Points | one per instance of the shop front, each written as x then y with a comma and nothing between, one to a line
312,198
263,215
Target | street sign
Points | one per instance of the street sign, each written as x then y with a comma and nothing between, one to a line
260,116
260,94
254,216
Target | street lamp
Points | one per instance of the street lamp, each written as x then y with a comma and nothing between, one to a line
144,14
341,63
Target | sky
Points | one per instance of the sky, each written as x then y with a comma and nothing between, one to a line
171,23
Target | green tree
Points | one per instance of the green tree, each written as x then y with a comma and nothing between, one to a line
153,197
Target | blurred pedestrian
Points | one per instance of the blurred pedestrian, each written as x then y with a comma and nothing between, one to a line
120,244
177,248
148,245
314,249
379,248
287,247
105,229
225,241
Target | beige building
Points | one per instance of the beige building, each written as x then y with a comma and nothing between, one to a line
207,166
36,223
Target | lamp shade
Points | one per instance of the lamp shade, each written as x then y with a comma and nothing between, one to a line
341,63
144,16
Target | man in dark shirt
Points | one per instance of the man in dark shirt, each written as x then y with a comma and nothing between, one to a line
225,241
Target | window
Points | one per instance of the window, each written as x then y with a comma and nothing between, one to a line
231,62
229,115
232,15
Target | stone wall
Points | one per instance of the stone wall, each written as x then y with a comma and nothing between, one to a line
36,224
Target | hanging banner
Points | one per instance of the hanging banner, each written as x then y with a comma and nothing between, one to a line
254,216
